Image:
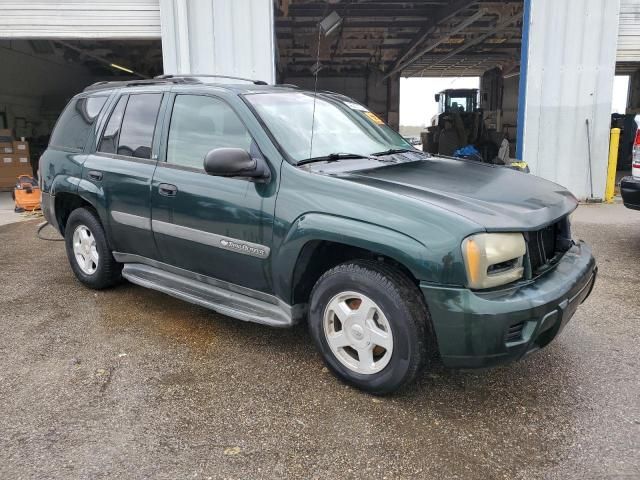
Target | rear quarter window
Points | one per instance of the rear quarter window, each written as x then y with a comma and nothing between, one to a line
75,122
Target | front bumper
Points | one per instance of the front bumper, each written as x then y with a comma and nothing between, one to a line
630,191
482,329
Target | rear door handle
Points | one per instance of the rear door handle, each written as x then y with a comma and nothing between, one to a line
95,175
167,190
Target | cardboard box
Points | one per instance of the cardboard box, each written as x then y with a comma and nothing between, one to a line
11,167
23,161
8,171
17,162
6,147
6,135
21,147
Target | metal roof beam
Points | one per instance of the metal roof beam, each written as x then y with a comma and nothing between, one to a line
442,14
433,44
499,27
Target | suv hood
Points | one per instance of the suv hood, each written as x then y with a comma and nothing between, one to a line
495,197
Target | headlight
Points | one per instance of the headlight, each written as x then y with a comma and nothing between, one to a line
493,259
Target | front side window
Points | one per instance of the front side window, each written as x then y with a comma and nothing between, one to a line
73,127
200,124
339,126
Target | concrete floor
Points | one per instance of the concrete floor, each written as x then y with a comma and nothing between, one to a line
132,383
7,214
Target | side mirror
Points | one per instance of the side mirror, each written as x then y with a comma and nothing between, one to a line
437,97
236,162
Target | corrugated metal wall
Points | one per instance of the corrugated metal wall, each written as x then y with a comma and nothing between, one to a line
629,32
570,66
80,19
219,37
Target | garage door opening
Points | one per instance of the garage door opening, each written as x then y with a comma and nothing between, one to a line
418,106
40,76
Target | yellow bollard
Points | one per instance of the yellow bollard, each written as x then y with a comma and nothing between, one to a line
613,165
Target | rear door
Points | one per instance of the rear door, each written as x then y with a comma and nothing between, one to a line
121,170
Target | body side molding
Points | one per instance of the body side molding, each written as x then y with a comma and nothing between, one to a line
211,239
130,220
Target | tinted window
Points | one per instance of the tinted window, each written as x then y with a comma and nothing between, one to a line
139,122
74,125
109,141
199,124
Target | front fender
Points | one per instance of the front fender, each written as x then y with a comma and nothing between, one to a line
322,227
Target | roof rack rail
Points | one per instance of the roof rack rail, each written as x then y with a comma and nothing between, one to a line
197,75
163,79
132,83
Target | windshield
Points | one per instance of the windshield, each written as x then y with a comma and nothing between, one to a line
339,126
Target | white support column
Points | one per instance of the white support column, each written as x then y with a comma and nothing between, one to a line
568,71
224,37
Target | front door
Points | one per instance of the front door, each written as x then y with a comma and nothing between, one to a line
122,169
215,226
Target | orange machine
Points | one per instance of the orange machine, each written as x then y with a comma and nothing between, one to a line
26,194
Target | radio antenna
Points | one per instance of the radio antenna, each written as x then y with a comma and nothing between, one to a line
315,90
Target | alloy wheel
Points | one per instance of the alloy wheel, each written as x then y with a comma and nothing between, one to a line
84,250
358,332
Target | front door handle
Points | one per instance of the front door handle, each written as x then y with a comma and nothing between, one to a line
95,175
167,190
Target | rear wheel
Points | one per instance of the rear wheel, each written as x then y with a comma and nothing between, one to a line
368,321
89,255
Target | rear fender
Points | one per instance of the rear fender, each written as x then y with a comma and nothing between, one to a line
87,191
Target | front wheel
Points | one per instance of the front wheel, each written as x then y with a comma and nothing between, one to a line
369,322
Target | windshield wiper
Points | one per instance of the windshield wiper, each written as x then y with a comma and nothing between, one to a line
333,157
391,151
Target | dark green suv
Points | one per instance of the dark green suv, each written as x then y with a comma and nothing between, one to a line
271,204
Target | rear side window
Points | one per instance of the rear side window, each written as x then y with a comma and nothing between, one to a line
73,126
109,142
129,131
138,125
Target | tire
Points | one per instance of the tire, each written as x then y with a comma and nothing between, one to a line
399,311
103,271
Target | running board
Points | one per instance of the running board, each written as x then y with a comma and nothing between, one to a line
221,300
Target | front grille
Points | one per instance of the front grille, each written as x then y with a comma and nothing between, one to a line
541,246
544,246
514,333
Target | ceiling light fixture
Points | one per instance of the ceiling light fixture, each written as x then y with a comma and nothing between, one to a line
118,67
330,23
